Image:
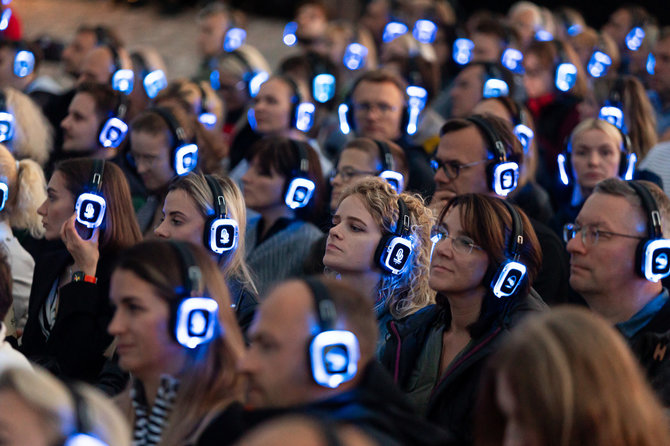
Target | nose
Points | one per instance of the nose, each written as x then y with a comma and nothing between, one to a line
335,232
246,363
42,210
115,326
65,123
161,230
575,245
336,180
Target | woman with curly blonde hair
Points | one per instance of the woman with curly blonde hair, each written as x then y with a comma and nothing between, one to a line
368,211
33,136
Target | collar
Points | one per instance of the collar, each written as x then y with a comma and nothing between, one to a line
535,105
640,319
6,233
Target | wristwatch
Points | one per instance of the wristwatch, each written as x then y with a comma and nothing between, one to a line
80,276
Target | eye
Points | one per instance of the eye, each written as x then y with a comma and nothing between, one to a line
356,228
177,222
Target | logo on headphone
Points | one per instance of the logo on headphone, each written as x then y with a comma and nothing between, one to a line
505,178
90,210
196,319
509,279
336,358
6,126
399,255
661,262
4,193
24,63
223,235
197,323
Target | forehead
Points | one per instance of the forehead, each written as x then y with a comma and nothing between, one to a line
465,145
452,219
178,200
57,181
378,91
83,102
613,212
85,39
146,143
125,283
357,159
286,312
275,87
352,206
593,136
492,106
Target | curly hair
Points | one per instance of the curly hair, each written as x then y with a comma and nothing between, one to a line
405,293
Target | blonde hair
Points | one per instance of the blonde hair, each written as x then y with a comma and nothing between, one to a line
608,129
33,135
405,293
209,380
575,382
27,191
57,408
195,185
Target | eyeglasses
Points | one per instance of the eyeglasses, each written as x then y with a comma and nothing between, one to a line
348,173
462,244
451,168
367,107
591,234
136,160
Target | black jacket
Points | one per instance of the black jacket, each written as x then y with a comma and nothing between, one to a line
79,336
650,346
452,400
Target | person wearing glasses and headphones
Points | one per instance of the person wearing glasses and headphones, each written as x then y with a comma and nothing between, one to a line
194,207
369,218
485,257
39,410
176,334
88,208
619,263
279,238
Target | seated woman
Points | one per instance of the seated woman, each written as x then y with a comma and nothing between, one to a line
369,218
25,191
39,410
189,212
279,238
567,378
176,334
482,246
69,310
596,150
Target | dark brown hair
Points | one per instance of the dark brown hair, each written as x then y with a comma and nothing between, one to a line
106,99
554,52
369,146
119,228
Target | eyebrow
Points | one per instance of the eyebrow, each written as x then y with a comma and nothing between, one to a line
177,213
356,219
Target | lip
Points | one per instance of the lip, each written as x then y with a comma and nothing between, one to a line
332,247
121,348
440,268
577,268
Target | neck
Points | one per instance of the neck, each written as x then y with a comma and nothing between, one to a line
274,213
104,153
465,308
621,304
366,282
151,380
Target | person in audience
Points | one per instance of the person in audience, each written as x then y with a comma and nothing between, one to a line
463,163
32,137
367,214
25,192
69,306
604,243
190,204
147,64
86,38
183,371
567,377
660,84
39,410
9,357
100,64
283,375
438,354
279,237
213,21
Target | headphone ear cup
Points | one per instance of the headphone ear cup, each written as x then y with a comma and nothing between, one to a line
404,122
639,257
382,246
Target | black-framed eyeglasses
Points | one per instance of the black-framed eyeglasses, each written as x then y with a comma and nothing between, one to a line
348,173
461,243
381,107
452,168
591,234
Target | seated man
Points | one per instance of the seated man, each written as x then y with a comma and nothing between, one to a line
608,268
326,382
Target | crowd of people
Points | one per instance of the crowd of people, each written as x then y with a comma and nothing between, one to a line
418,229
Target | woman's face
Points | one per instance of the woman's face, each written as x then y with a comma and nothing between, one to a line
537,79
588,107
141,327
58,207
262,190
595,157
453,272
20,424
181,218
353,239
272,107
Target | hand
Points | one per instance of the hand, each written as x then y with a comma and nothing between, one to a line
84,252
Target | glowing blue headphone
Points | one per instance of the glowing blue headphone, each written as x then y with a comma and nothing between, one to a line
462,51
113,130
24,61
388,173
512,59
83,432
566,71
511,273
91,205
333,354
424,31
234,39
652,256
193,317
7,122
4,194
221,232
599,63
206,118
395,249
184,154
495,85
153,81
289,38
416,102
123,79
300,189
355,56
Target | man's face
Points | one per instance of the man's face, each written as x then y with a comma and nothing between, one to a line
378,109
660,81
488,47
467,91
460,147
618,26
151,153
211,33
609,264
276,361
81,125
74,54
98,66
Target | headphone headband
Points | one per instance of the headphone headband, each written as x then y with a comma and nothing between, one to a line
493,140
96,178
303,155
385,155
654,228
191,274
404,224
175,128
219,200
323,304
516,237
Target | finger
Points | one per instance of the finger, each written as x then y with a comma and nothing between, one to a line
96,235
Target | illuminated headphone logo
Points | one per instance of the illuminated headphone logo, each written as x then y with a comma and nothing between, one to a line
24,63
512,59
416,103
462,51
511,272
221,231
91,206
234,39
599,64
634,38
394,249
355,56
4,193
